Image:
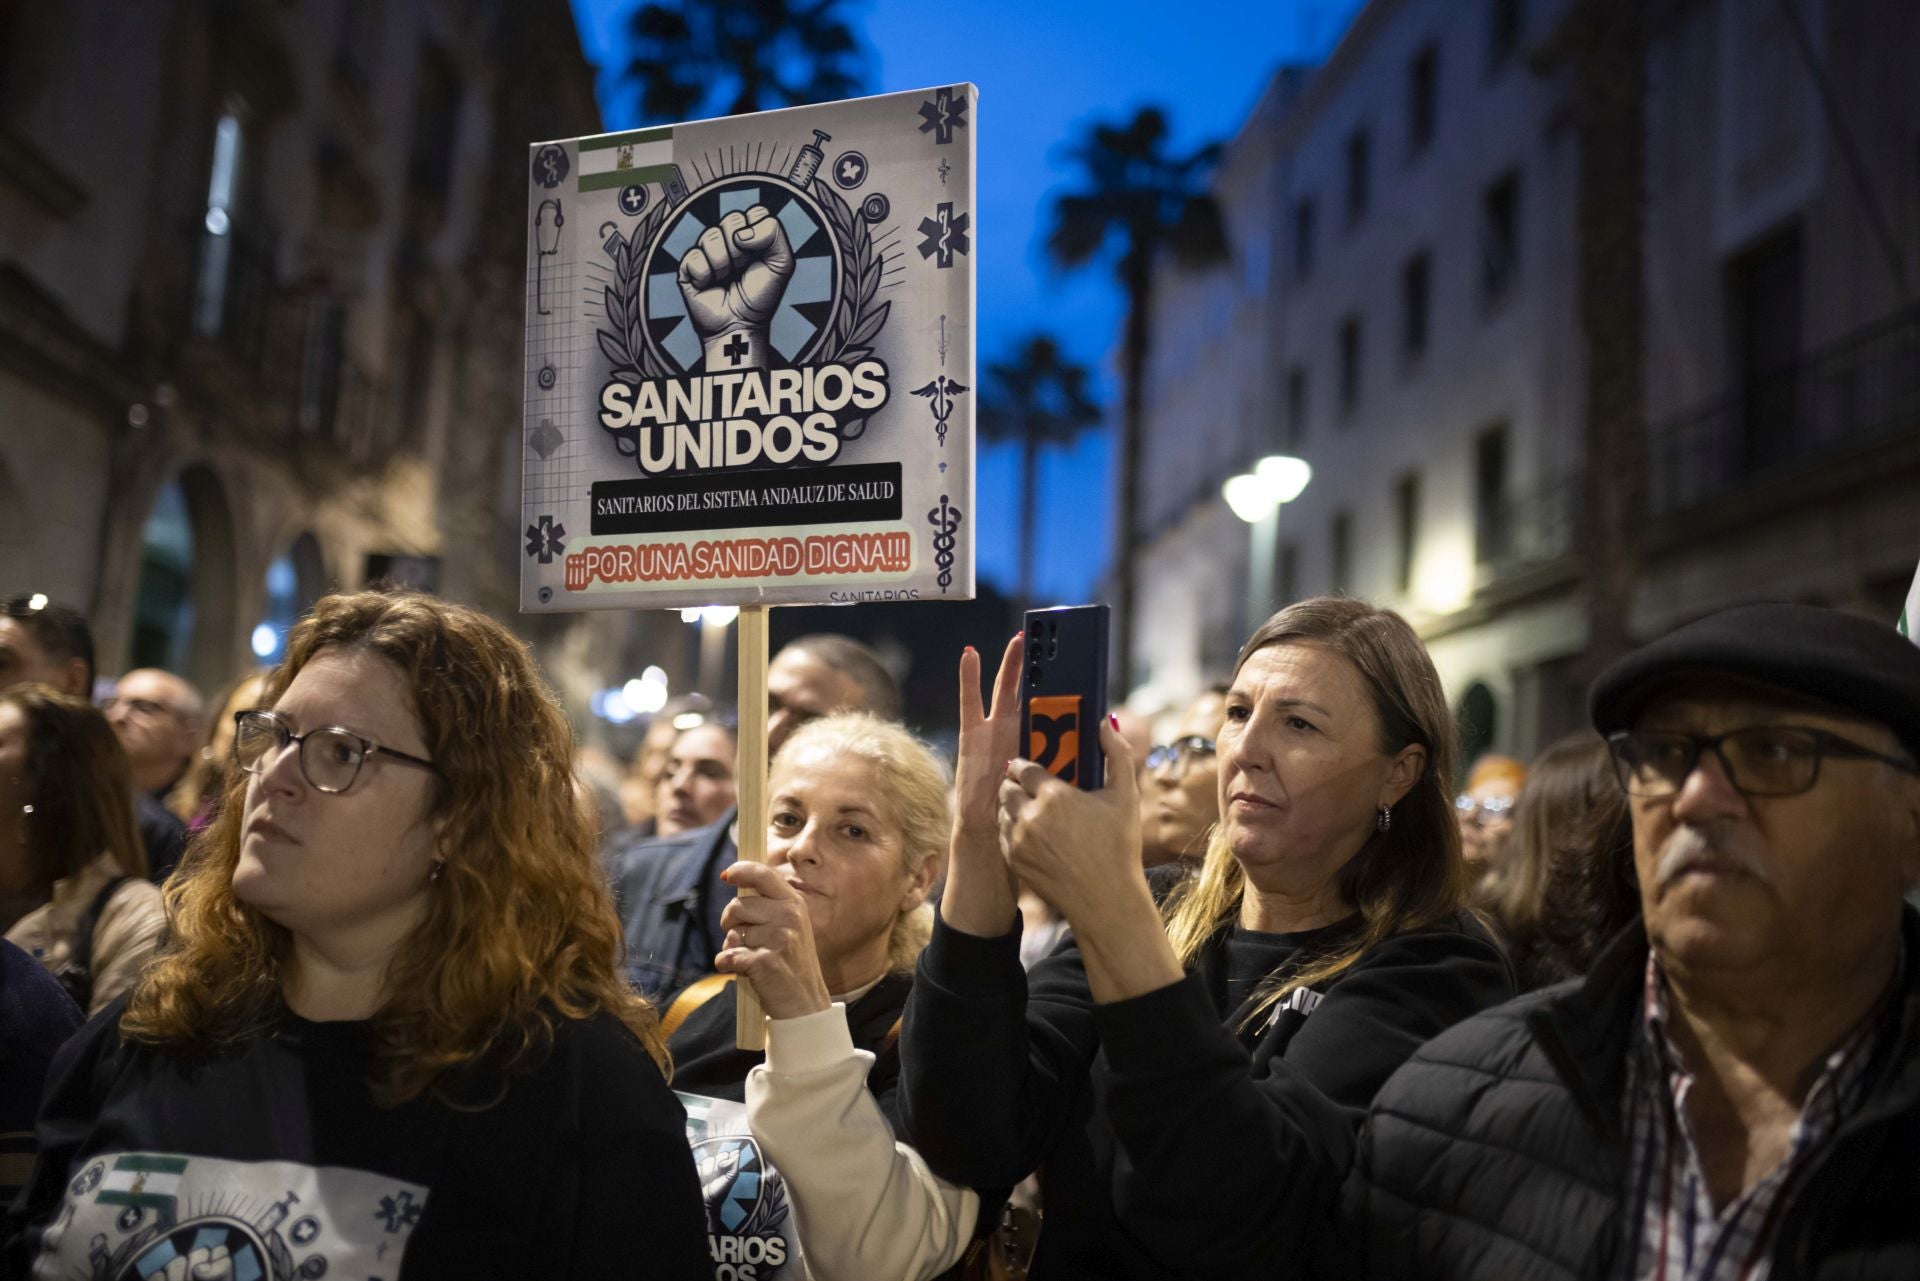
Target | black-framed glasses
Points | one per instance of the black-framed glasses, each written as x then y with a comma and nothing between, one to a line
330,755
1760,760
1180,753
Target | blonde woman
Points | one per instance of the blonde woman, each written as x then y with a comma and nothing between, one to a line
857,823
1164,1070
388,1035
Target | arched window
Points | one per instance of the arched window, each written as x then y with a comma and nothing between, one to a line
1478,716
163,602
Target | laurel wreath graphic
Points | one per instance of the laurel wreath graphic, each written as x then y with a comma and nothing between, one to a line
858,316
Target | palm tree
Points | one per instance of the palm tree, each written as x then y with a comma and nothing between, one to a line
724,57
1147,205
1038,398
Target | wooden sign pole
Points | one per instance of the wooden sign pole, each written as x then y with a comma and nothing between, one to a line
750,1029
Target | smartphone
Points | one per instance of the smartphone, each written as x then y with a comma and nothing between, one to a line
1063,692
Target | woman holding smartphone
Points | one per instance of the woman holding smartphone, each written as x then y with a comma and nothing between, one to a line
1162,1070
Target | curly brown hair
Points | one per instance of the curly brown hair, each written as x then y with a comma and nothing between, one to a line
519,931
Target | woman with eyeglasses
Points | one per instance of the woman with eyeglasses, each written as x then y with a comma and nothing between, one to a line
389,1034
1178,804
1164,1069
74,893
1486,812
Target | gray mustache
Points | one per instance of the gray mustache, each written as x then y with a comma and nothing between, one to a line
1699,844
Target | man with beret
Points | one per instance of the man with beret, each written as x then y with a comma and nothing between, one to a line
1734,1090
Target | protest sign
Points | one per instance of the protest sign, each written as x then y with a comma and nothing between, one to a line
749,360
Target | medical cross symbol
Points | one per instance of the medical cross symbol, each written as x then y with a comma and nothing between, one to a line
944,235
735,349
942,116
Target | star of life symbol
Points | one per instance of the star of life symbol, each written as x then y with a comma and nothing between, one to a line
942,116
940,393
398,1212
944,234
546,540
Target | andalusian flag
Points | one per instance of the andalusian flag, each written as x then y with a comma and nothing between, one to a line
143,1180
1910,616
631,159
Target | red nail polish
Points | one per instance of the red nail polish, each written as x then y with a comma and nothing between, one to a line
1113,719
967,650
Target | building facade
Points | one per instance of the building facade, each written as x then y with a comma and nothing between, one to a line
261,282
1422,234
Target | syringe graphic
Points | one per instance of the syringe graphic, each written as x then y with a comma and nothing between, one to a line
807,163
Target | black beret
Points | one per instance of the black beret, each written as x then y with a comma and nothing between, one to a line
1855,664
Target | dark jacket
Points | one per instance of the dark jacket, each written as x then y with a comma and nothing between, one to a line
1499,1149
36,1018
666,888
1162,1140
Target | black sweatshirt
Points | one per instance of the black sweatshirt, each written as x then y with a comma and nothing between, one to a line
1156,1130
277,1154
706,1060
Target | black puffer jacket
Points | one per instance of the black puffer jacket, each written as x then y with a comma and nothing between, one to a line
1498,1150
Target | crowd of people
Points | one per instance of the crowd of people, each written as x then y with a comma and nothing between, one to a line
356,968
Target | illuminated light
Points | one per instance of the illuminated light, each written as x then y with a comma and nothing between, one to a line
217,221
719,615
687,720
265,640
37,601
645,695
1284,477
611,705
1444,582
1248,497
690,615
654,674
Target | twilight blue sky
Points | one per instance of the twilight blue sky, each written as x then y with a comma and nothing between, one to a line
1045,68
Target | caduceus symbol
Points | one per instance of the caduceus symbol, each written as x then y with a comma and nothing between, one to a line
945,519
940,393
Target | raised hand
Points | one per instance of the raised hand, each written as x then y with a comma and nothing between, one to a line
770,943
733,280
1081,852
980,893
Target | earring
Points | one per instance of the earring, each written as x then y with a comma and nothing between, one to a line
26,809
1383,821
439,870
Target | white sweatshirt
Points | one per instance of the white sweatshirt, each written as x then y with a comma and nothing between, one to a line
864,1205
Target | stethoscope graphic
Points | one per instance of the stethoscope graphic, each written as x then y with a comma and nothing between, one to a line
546,244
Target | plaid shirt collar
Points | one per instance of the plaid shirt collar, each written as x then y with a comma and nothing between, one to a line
1681,1237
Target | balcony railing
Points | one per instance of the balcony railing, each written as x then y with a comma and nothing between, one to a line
1528,529
1863,388
279,354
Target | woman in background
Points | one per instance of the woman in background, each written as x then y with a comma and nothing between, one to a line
74,893
194,798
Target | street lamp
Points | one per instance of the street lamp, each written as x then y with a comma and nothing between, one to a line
1256,497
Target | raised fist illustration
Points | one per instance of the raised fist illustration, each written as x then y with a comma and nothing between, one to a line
733,279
